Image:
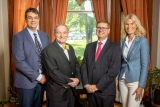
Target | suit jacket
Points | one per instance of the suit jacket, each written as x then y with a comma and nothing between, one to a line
135,66
26,59
59,71
103,72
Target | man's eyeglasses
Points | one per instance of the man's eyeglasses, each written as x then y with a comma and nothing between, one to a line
62,33
31,18
103,28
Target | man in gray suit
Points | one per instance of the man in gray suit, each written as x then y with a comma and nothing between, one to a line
27,49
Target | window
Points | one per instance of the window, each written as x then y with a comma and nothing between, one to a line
82,25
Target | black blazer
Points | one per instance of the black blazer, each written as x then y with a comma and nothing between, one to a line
59,70
104,71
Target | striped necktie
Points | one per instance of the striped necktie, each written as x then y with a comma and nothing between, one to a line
39,48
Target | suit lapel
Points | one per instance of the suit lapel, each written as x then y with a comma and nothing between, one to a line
28,36
122,47
41,38
94,51
134,43
61,52
70,54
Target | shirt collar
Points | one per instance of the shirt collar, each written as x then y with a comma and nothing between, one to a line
103,42
131,40
31,33
59,44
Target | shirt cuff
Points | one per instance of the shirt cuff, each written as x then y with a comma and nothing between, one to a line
39,77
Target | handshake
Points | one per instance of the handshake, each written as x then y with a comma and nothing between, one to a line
91,88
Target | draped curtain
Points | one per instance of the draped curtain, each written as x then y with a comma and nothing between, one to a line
52,12
115,33
100,9
143,10
17,23
46,10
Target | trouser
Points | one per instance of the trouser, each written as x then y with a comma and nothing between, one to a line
31,97
126,90
98,100
67,103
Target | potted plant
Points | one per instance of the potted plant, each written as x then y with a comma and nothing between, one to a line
13,101
154,76
3,102
79,58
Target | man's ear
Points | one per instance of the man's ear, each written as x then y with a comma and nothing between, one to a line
108,30
25,20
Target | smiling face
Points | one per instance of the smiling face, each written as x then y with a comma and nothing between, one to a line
130,27
61,34
32,21
102,31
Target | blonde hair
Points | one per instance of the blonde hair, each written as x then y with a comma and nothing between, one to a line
140,31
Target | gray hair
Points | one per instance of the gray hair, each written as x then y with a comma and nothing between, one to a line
60,24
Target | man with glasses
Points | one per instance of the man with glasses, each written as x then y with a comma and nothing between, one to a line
100,67
27,51
63,70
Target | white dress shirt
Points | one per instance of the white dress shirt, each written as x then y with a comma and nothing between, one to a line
126,49
103,43
65,51
33,37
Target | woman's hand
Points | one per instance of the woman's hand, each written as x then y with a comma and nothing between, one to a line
138,93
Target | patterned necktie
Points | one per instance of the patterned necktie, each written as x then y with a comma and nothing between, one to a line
39,48
98,51
65,47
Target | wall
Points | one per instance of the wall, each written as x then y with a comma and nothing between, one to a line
4,51
155,52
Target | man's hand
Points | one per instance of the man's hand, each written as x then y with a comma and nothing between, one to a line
89,88
94,88
74,83
43,79
138,93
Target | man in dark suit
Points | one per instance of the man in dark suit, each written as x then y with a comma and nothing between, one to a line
27,50
63,70
100,66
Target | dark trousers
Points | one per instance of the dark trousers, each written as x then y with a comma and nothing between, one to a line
31,97
98,100
67,103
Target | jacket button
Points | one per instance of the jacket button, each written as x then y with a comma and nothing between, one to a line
126,62
132,52
130,58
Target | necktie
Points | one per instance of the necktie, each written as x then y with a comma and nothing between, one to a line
39,48
65,47
98,51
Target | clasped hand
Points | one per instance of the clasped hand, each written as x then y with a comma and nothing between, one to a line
91,88
74,83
